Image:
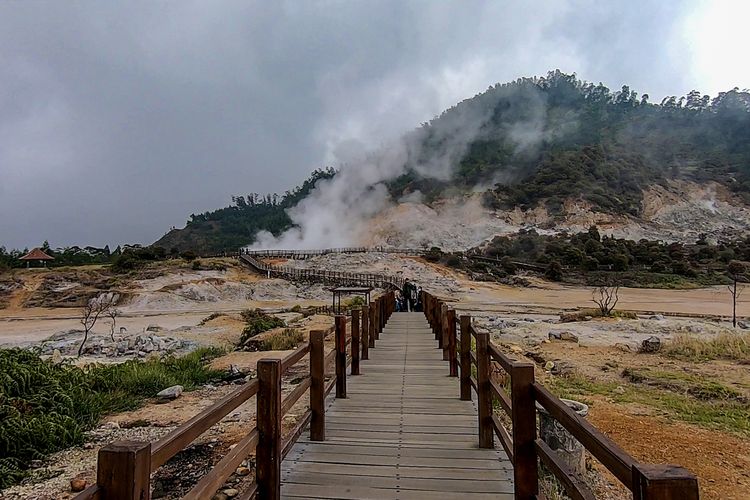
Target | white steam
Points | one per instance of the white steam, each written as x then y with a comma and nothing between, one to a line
338,211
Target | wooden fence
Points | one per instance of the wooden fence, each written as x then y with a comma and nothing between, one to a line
305,254
124,468
324,276
525,450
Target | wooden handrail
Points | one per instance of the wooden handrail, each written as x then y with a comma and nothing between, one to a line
178,439
604,449
522,446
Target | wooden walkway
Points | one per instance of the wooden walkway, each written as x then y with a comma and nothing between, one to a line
402,432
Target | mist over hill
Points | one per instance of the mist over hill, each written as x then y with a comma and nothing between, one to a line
535,142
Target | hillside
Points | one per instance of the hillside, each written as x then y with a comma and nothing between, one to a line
236,226
555,144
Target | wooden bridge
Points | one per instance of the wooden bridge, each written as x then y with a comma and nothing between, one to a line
414,417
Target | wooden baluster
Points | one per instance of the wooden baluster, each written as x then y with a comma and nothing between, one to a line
450,320
444,331
663,482
465,358
523,414
268,451
341,357
373,318
355,341
484,393
124,471
317,386
365,332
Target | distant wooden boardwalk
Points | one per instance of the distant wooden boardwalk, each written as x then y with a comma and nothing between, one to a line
401,433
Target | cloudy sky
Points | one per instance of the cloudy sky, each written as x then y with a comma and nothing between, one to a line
118,122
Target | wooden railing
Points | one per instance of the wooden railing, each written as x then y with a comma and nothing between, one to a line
524,449
124,468
304,254
337,277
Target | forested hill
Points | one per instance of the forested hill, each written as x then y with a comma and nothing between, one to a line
540,140
236,226
554,138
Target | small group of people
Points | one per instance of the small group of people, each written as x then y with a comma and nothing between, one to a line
409,298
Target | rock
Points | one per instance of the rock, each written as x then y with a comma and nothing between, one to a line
77,485
88,446
170,393
744,325
568,337
657,317
234,370
588,318
230,492
56,358
549,365
563,368
153,328
622,347
220,496
242,471
35,464
537,356
619,389
651,344
111,425
516,348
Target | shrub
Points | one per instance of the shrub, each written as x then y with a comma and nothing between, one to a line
45,408
453,261
554,271
284,341
257,322
188,255
357,301
196,265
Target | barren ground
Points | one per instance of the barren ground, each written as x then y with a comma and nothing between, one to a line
520,319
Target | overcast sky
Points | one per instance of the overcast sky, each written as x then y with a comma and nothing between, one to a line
118,122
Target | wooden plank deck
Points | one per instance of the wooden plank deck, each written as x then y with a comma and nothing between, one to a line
402,433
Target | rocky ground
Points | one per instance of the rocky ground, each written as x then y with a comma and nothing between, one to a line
171,312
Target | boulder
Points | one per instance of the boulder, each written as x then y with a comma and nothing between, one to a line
745,325
563,368
153,328
170,393
657,317
231,492
651,344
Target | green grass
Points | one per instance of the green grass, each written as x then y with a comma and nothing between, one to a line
690,399
730,346
45,408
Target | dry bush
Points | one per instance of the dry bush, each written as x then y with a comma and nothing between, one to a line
733,346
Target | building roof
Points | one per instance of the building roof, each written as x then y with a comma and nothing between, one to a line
37,254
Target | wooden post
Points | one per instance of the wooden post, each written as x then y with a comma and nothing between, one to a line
444,331
378,317
124,471
373,318
268,451
484,393
317,386
355,341
465,358
341,357
365,332
663,482
523,414
450,320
